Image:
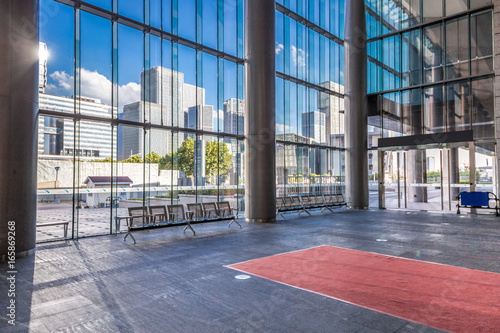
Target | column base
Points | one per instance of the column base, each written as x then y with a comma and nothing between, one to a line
19,255
358,207
269,220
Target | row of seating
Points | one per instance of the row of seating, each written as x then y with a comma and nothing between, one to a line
304,203
141,217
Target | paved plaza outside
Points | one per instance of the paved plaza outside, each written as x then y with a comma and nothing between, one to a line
96,221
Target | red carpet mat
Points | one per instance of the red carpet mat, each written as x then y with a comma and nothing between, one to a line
445,297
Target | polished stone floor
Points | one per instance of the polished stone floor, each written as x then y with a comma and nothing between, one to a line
174,282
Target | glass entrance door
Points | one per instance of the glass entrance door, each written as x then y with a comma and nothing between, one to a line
430,179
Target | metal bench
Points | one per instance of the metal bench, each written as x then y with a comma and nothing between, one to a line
157,216
63,223
139,217
304,203
177,214
225,210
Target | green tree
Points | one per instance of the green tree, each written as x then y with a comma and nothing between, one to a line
152,158
133,159
218,159
181,159
107,160
185,157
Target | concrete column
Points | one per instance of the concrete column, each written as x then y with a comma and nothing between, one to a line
356,110
18,122
496,30
417,174
260,141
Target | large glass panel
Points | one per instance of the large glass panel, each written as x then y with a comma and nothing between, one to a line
132,191
434,115
455,6
133,9
457,48
210,109
228,173
479,3
483,109
230,27
485,167
413,10
233,106
302,69
433,54
391,115
186,85
155,13
209,193
106,4
209,18
415,53
458,106
279,43
167,15
131,89
56,57
166,78
405,60
416,112
185,160
55,171
95,73
186,19
481,43
152,82
280,109
94,177
432,9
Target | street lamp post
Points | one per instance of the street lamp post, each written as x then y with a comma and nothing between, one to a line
55,185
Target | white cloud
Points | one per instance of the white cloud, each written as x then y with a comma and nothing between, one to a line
282,128
278,48
94,85
299,56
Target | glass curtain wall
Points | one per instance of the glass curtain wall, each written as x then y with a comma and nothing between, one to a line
141,103
430,70
309,97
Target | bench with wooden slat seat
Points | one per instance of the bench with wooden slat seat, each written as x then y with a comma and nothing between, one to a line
50,224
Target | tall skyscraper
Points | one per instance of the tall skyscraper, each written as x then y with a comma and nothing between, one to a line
313,126
234,112
167,100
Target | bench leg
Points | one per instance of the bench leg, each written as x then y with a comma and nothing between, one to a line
190,227
66,230
304,210
129,232
234,221
326,207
